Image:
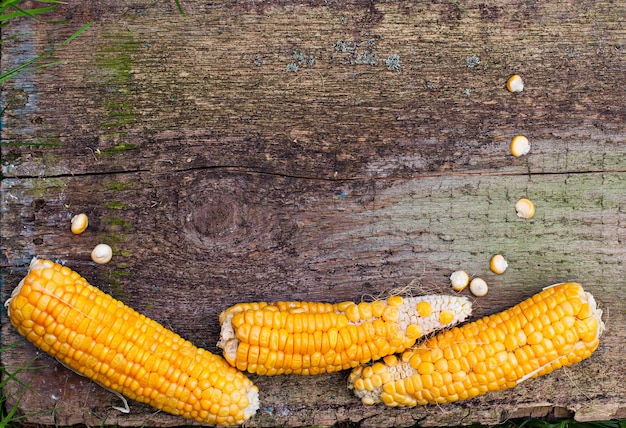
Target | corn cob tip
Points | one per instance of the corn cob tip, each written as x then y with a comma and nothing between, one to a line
35,263
557,327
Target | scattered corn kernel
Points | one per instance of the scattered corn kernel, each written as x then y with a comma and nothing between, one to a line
79,223
125,351
525,208
317,338
520,146
102,254
491,354
515,83
498,264
479,287
459,280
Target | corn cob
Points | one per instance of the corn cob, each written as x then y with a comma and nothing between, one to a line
557,327
310,338
124,351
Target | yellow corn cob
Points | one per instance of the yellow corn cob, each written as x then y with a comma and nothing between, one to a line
557,327
310,338
122,350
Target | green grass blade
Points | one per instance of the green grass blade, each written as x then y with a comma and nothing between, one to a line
9,74
26,12
76,34
27,65
180,7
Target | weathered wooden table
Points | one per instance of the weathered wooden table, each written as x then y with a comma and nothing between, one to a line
265,150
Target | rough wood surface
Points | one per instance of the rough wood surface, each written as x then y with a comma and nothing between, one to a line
221,175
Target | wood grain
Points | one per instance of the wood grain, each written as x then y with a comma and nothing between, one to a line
218,176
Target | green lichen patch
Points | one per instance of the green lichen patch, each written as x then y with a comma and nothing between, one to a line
120,147
116,186
117,222
115,205
113,73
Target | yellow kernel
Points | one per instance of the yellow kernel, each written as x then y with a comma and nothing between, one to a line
515,83
498,264
525,208
535,338
413,331
425,368
446,317
584,312
519,146
510,342
391,360
378,306
341,307
391,314
352,312
79,223
424,308
365,310
442,365
395,301
101,254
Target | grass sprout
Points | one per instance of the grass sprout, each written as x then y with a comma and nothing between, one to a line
8,416
9,9
30,64
180,7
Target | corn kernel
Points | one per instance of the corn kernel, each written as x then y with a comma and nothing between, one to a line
515,83
498,264
101,254
446,317
525,208
479,287
459,280
519,146
424,309
79,223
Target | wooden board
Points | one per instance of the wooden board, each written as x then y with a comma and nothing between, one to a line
219,174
